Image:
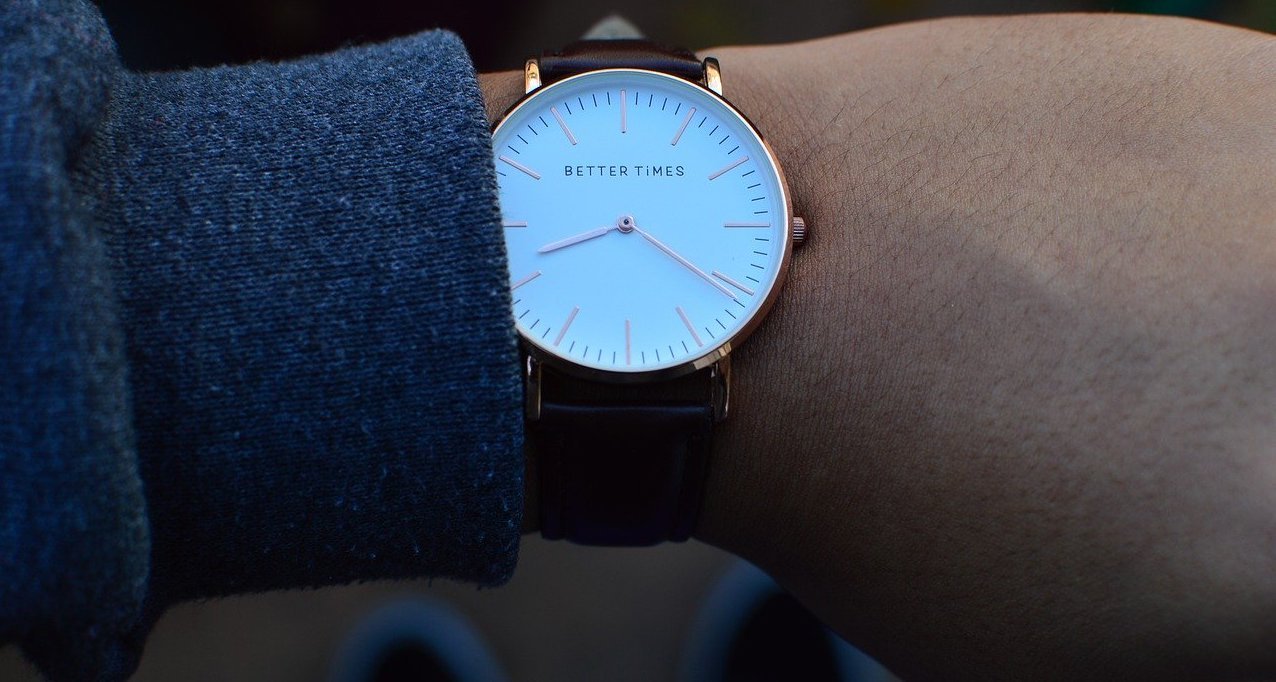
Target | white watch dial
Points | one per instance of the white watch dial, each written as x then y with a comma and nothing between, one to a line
645,221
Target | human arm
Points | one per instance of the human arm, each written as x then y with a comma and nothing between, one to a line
1038,440
1013,415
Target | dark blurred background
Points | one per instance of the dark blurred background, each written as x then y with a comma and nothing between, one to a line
168,34
570,613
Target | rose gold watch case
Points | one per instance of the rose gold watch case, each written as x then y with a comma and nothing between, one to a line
537,355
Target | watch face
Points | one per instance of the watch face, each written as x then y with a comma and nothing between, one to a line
646,223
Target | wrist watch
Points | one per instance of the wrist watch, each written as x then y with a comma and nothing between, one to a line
648,229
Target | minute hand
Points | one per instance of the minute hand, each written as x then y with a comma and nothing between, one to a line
674,255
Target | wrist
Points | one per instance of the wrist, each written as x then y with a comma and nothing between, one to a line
987,387
501,89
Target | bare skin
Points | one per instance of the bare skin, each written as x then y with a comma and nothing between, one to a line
1015,414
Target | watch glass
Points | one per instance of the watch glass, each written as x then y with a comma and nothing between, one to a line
645,220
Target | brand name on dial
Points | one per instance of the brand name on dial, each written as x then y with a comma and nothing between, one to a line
634,171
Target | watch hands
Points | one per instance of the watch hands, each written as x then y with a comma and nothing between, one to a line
674,255
575,239
627,224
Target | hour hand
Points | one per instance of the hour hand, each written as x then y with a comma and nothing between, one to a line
575,239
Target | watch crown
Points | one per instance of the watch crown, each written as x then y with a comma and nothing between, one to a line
799,231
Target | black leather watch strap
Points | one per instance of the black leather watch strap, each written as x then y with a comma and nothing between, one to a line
621,464
628,475
590,55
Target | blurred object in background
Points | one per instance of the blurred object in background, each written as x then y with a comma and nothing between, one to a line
162,35
413,639
749,629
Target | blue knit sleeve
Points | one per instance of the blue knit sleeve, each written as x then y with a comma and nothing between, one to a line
256,330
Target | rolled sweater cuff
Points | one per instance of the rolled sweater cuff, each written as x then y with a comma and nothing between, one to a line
316,307
296,336
74,546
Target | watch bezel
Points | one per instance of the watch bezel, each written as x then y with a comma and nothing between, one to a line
729,343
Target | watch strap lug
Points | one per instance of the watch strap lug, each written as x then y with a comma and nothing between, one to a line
531,388
712,75
720,388
531,75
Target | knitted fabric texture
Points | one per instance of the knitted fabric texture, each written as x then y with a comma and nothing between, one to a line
256,330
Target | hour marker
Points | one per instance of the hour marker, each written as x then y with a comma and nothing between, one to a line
563,332
690,327
732,282
714,175
525,169
624,123
744,224
514,223
691,112
628,345
525,280
563,124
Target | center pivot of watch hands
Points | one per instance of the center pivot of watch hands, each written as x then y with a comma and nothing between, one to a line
626,224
